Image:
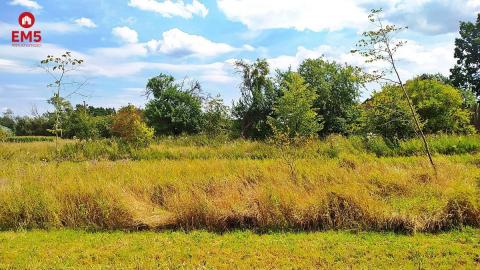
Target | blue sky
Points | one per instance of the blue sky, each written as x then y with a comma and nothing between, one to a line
125,42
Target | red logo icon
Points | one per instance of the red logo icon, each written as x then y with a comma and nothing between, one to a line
26,38
26,20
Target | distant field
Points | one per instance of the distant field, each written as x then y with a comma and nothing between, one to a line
66,249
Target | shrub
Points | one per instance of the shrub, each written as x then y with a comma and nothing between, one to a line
5,132
128,125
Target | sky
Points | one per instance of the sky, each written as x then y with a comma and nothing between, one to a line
125,42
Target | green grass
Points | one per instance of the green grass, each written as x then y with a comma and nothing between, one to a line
27,139
339,203
67,249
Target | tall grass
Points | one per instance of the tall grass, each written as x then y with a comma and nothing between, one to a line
201,147
354,192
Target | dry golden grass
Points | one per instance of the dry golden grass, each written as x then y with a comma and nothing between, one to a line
351,191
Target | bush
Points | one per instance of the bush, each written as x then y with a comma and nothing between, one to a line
5,132
96,150
128,125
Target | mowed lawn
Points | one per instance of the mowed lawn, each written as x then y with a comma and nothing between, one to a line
70,249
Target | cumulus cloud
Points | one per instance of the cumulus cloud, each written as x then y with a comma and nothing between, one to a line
425,16
301,15
110,63
26,3
85,22
175,42
432,16
125,34
170,8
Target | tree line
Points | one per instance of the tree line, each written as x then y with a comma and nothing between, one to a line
320,98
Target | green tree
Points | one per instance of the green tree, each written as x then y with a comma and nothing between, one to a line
38,125
294,113
439,107
59,68
62,110
387,114
258,96
466,73
338,89
7,120
128,124
379,45
216,118
174,109
81,125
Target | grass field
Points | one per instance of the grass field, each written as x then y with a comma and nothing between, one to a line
337,203
67,249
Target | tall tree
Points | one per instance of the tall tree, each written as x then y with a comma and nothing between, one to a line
379,46
59,68
174,108
216,117
466,73
295,116
258,96
338,90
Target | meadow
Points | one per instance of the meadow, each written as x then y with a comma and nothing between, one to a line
221,195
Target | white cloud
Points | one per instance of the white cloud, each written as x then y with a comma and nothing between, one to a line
123,52
26,3
300,14
125,34
110,63
170,8
57,27
178,43
283,62
85,22
425,16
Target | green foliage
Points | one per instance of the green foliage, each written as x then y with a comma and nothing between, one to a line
106,149
37,125
338,89
5,132
81,125
258,95
216,118
387,114
128,124
294,114
7,120
466,73
173,110
440,107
